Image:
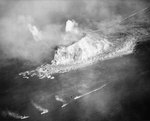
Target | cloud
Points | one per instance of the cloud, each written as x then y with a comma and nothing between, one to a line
49,17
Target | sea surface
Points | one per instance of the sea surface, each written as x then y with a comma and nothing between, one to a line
113,90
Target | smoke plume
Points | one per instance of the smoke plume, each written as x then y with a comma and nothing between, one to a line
30,30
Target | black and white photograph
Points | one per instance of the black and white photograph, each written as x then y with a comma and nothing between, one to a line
74,60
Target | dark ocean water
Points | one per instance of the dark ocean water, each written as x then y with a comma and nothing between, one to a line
124,98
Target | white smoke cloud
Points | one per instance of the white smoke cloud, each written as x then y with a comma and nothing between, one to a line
48,18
